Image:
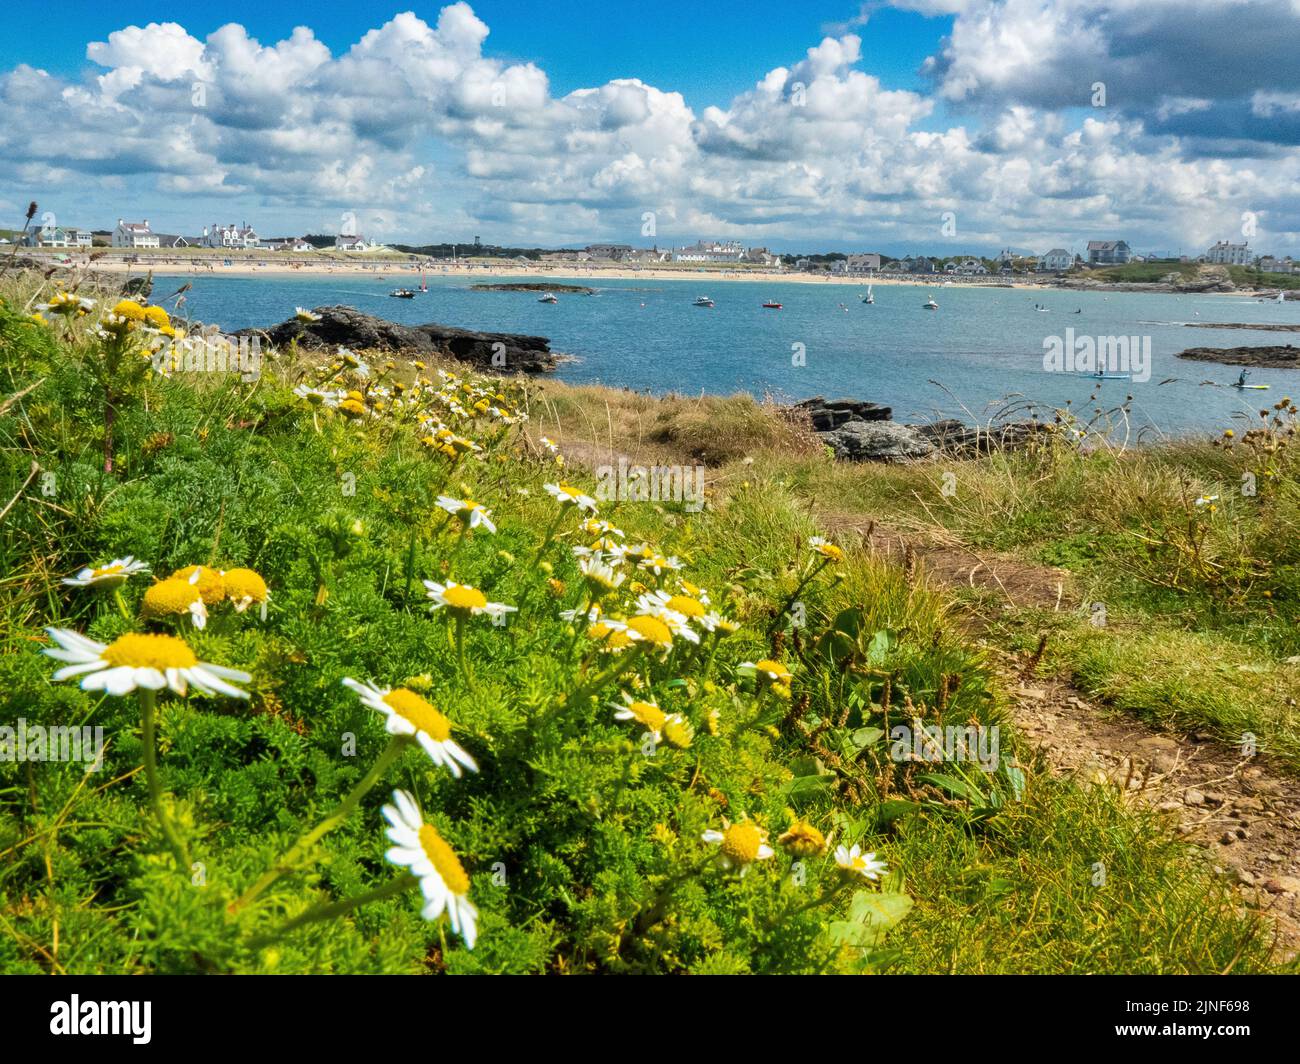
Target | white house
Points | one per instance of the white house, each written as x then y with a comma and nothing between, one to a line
228,237
1226,254
970,267
134,235
1109,252
1055,261
352,242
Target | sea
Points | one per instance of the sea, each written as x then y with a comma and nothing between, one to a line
987,352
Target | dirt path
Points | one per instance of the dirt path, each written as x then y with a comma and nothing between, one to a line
1242,810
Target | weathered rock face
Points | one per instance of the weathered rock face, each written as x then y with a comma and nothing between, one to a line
877,441
826,415
341,326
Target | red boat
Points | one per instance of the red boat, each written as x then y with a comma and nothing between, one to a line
771,305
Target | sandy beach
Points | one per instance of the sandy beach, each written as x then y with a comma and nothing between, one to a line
404,270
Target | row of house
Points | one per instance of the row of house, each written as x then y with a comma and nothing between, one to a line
139,235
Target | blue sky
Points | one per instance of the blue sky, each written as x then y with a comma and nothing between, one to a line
894,125
709,52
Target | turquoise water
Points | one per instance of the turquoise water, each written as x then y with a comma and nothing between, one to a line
982,349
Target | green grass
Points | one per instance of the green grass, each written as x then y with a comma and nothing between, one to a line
582,843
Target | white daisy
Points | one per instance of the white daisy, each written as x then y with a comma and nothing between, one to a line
110,575
600,575
303,314
677,622
740,844
473,514
463,599
855,861
443,880
136,660
409,714
566,495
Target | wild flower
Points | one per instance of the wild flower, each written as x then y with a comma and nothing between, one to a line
244,588
853,861
210,582
111,574
461,600
739,845
567,495
471,514
140,660
173,598
305,315
644,712
801,839
443,881
407,713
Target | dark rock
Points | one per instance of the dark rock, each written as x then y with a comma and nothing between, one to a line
1273,357
341,326
544,286
877,441
826,415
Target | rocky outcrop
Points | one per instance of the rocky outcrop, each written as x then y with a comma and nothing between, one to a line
877,441
541,286
1276,357
341,326
825,415
860,431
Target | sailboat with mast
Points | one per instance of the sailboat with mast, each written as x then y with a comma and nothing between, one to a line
867,296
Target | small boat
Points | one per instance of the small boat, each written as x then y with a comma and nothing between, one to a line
771,304
1108,376
930,304
424,285
402,293
868,297
703,301
549,297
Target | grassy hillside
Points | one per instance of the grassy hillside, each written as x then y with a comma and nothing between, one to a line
714,695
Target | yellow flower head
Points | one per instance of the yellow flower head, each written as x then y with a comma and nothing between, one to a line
209,582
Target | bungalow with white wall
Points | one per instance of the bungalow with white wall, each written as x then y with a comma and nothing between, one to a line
354,242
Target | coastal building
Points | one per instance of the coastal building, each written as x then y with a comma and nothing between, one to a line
712,251
230,237
916,264
296,244
173,240
1271,264
1055,261
1109,252
55,236
1226,254
970,268
570,255
134,235
858,265
612,252
351,242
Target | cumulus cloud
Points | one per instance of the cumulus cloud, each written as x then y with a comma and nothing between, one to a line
421,133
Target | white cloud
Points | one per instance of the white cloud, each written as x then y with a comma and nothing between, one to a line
423,135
